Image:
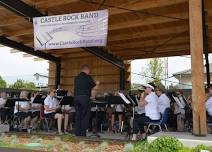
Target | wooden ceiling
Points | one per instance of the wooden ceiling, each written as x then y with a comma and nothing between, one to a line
137,28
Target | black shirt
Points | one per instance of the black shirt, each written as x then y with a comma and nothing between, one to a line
83,84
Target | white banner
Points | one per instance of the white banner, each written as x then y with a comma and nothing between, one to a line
84,29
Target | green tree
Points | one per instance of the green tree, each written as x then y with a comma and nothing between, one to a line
135,86
21,84
154,71
3,83
30,86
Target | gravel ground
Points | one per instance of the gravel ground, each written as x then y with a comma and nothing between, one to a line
74,145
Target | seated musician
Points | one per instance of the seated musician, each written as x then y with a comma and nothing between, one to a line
67,112
52,109
163,100
179,111
149,101
22,109
96,121
35,110
118,110
72,113
3,111
139,111
208,106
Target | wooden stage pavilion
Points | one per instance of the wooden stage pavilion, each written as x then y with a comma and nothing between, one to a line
138,29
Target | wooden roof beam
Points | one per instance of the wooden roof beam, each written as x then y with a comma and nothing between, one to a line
148,47
151,37
139,51
12,21
14,51
38,59
177,28
99,52
157,55
147,21
27,55
138,6
21,32
20,8
52,3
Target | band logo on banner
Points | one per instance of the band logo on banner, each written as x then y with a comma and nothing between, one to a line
84,29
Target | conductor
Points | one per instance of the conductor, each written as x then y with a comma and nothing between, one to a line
84,88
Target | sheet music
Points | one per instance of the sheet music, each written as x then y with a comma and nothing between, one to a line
131,100
124,98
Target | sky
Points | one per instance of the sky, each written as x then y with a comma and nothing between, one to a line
14,65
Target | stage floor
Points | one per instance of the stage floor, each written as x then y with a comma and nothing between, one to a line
186,138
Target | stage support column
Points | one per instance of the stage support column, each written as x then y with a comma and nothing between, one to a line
205,43
122,79
57,74
196,49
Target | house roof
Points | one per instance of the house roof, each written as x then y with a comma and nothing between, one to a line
188,71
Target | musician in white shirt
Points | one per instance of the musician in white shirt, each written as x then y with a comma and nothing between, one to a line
118,110
51,109
149,101
179,110
22,109
139,111
179,104
163,100
3,99
208,106
3,111
35,110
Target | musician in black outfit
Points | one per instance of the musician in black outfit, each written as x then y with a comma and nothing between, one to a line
83,85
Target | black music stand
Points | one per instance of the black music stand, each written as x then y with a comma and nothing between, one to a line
9,106
114,100
19,100
61,93
97,103
134,103
38,99
67,100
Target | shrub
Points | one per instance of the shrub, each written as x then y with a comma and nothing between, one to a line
136,147
185,149
199,148
165,144
141,147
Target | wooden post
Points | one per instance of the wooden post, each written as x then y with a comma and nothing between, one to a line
196,48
